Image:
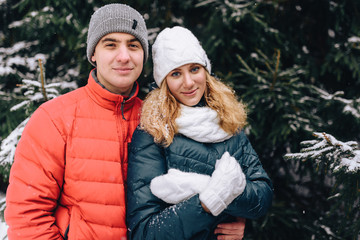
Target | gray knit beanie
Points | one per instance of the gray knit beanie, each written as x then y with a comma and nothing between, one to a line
116,18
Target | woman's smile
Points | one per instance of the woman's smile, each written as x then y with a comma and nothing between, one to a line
190,93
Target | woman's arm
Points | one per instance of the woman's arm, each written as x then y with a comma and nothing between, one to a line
256,199
147,216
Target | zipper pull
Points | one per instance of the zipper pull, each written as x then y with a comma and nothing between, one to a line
122,109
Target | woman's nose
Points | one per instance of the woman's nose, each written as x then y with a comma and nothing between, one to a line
188,81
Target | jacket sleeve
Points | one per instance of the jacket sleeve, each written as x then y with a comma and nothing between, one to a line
36,178
147,216
256,199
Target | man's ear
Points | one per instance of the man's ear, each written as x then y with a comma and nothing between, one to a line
93,58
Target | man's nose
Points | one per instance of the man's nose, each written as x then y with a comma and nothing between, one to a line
123,54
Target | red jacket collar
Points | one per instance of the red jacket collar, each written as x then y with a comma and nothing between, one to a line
108,99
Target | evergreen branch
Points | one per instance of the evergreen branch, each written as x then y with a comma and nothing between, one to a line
8,145
276,70
42,80
244,64
351,106
327,149
249,71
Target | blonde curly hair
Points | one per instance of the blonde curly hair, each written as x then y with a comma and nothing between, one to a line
160,109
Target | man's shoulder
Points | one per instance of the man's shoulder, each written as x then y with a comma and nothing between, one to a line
64,107
66,100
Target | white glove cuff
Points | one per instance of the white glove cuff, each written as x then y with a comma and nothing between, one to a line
212,201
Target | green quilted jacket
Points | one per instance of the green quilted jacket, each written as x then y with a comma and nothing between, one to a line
150,218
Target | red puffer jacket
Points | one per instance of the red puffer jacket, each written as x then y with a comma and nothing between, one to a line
70,167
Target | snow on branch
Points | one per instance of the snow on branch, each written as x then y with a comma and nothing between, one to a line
327,149
8,145
12,58
351,106
2,204
33,92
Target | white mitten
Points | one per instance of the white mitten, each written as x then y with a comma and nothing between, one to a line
227,182
177,186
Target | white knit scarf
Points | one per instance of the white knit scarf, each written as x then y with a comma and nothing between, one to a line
201,124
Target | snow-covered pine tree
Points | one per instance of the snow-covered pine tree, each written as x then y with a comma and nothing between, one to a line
331,153
30,94
341,161
3,225
33,30
318,45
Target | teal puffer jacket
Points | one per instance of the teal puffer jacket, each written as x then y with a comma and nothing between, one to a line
150,218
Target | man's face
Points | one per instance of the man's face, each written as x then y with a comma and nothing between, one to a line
119,60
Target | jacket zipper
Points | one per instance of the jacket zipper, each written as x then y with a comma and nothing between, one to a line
122,109
121,135
66,232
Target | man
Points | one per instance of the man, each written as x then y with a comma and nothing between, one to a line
69,172
70,168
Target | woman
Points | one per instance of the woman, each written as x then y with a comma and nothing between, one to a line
190,165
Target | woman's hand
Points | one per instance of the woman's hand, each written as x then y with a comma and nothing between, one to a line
177,186
231,231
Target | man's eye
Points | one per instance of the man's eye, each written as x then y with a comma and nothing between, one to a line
110,45
134,46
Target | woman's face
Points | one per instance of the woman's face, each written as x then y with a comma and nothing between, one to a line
187,83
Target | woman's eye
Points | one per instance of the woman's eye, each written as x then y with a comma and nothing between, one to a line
175,74
195,69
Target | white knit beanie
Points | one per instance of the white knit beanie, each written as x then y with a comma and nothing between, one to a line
116,17
175,47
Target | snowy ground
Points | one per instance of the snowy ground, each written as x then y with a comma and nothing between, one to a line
3,226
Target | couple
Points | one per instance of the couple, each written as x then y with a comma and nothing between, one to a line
82,166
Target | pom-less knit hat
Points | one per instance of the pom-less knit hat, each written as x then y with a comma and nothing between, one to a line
175,47
116,18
